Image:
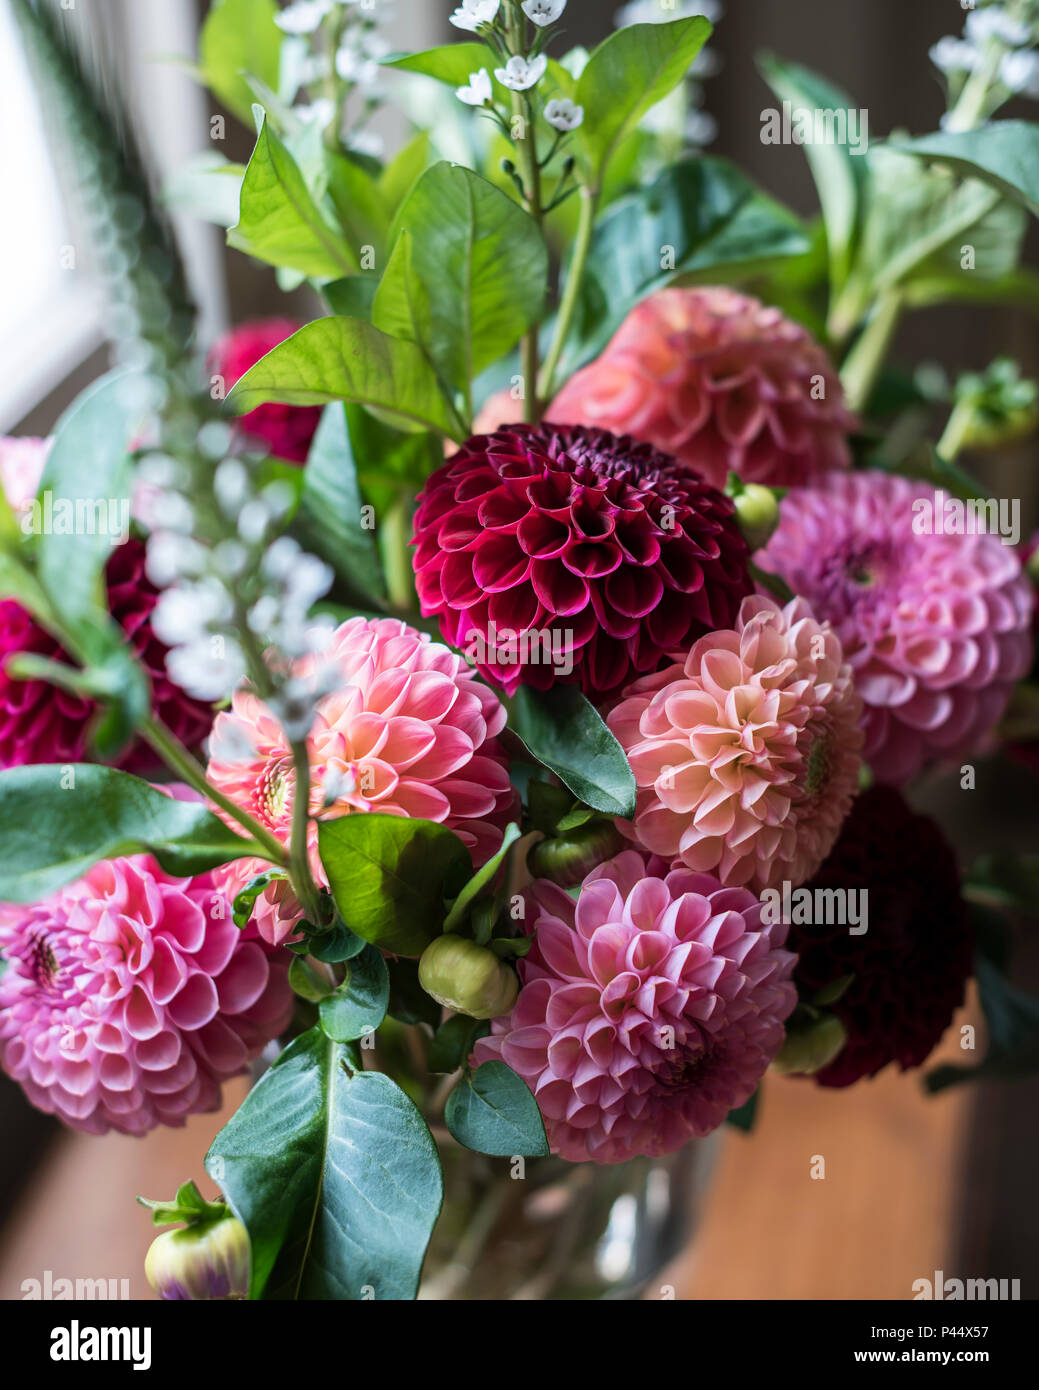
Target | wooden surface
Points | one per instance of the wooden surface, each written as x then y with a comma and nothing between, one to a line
884,1215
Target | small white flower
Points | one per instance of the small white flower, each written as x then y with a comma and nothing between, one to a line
1020,72
518,75
353,66
368,142
319,113
231,743
543,12
204,672
562,114
478,92
954,55
700,128
302,17
231,486
994,23
472,13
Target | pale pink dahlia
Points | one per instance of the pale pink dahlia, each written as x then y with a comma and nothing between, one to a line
408,732
130,996
721,381
936,624
649,1009
746,755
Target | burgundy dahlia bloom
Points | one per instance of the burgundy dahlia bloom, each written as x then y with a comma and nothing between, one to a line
130,996
571,555
722,382
42,724
287,430
649,1009
910,967
935,624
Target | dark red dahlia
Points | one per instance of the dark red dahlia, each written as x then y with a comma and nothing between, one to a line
41,724
912,963
562,554
287,430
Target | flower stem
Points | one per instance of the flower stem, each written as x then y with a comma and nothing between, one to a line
862,365
530,173
571,295
956,430
394,534
179,760
303,884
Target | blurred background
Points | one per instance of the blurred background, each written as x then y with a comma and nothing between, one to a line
913,1184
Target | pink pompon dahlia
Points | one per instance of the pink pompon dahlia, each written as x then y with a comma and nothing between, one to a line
570,555
649,1009
287,430
41,724
721,381
409,731
934,621
130,996
746,755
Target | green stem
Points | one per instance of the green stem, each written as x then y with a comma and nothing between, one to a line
862,365
956,430
303,884
179,760
571,295
530,173
394,534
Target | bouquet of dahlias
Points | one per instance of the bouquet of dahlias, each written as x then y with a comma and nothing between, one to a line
492,719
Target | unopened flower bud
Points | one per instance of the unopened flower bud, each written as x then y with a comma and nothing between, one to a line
810,1048
208,1260
757,513
467,978
567,859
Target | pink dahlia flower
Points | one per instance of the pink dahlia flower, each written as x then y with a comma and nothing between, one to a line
721,381
287,430
408,732
573,556
746,755
649,1009
936,625
41,724
130,996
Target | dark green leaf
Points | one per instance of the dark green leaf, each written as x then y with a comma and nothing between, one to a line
409,1002
334,1173
390,876
565,733
480,880
351,297
52,831
1012,1019
745,1116
358,1005
336,945
454,1041
492,1111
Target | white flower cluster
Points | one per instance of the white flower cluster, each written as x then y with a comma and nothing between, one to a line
520,73
353,48
1019,66
472,13
232,585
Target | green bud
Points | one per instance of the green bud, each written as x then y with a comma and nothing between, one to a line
467,978
757,512
205,1261
567,858
811,1047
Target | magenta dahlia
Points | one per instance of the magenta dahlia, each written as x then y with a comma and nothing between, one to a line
570,555
649,1009
130,996
935,623
41,724
287,430
722,382
409,732
910,967
746,755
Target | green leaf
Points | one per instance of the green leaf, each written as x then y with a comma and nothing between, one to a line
840,177
1003,153
240,36
330,516
472,280
1018,288
712,216
336,945
492,1111
307,982
242,908
359,1004
87,470
53,832
454,1041
480,880
453,63
628,74
1012,1019
351,297
188,1206
745,1116
208,187
399,176
409,1002
334,1174
390,876
1007,880
280,223
336,359
567,735
358,201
